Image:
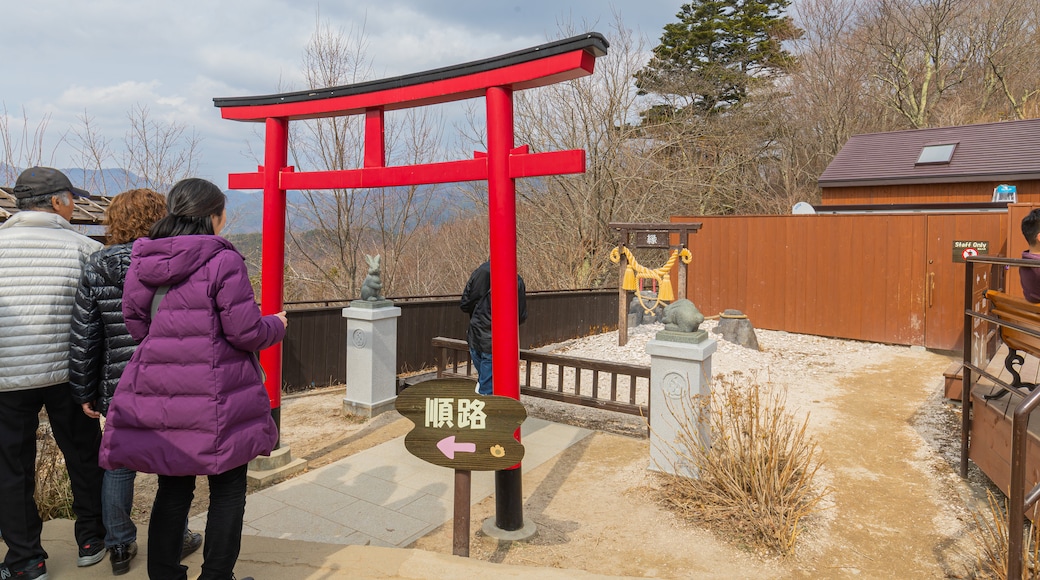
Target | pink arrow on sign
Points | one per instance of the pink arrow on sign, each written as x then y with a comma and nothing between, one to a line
448,447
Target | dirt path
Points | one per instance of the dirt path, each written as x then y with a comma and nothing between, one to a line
896,513
897,507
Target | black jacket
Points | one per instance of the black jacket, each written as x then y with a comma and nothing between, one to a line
476,301
101,345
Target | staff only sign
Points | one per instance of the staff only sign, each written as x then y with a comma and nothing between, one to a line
457,428
966,249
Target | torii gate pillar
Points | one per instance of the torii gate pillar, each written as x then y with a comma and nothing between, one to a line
505,334
272,288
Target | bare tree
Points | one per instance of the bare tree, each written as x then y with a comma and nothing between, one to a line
22,148
563,232
334,228
94,152
158,152
919,50
1007,31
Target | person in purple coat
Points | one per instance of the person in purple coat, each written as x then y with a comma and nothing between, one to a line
191,401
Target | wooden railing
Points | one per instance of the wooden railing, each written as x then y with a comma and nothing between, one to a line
1019,501
610,386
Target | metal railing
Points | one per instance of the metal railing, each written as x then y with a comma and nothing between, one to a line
605,385
1019,502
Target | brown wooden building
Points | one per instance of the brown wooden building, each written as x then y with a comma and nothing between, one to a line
882,258
936,166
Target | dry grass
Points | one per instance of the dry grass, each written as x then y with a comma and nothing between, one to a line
53,488
756,479
991,539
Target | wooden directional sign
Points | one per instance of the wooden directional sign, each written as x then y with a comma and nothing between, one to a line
459,429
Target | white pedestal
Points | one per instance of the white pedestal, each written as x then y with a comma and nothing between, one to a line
371,357
680,388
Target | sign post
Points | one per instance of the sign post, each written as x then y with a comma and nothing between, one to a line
464,431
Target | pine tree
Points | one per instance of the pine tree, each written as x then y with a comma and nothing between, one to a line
717,50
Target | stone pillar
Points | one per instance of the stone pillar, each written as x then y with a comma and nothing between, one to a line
371,357
680,388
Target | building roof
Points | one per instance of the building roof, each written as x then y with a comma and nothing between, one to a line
985,152
88,211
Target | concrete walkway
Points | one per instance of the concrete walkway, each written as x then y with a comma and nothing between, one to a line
383,496
344,520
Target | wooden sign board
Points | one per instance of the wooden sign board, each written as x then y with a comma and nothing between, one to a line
459,429
651,239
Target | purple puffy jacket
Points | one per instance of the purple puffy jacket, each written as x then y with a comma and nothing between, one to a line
190,401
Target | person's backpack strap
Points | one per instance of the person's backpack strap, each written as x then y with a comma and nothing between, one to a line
160,293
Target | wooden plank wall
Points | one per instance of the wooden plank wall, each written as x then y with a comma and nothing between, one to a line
848,276
1028,192
315,352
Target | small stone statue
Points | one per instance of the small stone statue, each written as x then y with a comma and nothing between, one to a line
682,316
371,288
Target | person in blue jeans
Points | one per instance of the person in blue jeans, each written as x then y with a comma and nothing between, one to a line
101,346
476,301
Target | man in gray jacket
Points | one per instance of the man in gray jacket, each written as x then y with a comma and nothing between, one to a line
41,258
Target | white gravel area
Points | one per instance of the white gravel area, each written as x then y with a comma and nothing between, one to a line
807,367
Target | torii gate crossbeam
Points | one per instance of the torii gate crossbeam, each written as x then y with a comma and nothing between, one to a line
495,79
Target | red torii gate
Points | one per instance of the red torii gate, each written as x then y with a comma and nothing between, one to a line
495,79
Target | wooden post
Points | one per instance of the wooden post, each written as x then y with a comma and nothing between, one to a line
622,329
460,530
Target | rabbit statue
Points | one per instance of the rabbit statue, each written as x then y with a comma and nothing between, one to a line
373,284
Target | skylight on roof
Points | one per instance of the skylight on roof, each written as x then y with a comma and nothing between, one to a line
934,154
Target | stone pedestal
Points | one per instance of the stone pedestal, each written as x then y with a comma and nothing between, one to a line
265,470
680,389
371,357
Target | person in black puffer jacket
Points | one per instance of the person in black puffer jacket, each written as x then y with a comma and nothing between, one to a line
476,301
101,347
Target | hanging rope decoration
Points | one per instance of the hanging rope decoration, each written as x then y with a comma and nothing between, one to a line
634,272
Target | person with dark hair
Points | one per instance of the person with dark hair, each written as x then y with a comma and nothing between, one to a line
191,400
101,348
1030,277
41,258
476,301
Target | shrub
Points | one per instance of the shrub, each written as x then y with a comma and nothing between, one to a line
991,539
53,488
755,481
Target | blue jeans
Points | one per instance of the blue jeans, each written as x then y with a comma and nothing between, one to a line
482,362
117,499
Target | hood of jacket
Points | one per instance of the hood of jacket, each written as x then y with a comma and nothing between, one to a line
169,261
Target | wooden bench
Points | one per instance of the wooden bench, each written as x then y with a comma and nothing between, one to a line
1019,315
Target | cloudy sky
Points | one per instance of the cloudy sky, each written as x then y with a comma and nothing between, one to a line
61,59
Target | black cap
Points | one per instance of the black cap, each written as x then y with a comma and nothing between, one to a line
41,181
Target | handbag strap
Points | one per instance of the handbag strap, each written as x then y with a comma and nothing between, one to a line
160,293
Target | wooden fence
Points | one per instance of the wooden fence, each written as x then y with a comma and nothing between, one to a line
605,385
892,278
315,346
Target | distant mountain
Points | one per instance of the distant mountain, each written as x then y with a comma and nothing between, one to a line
106,182
245,207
